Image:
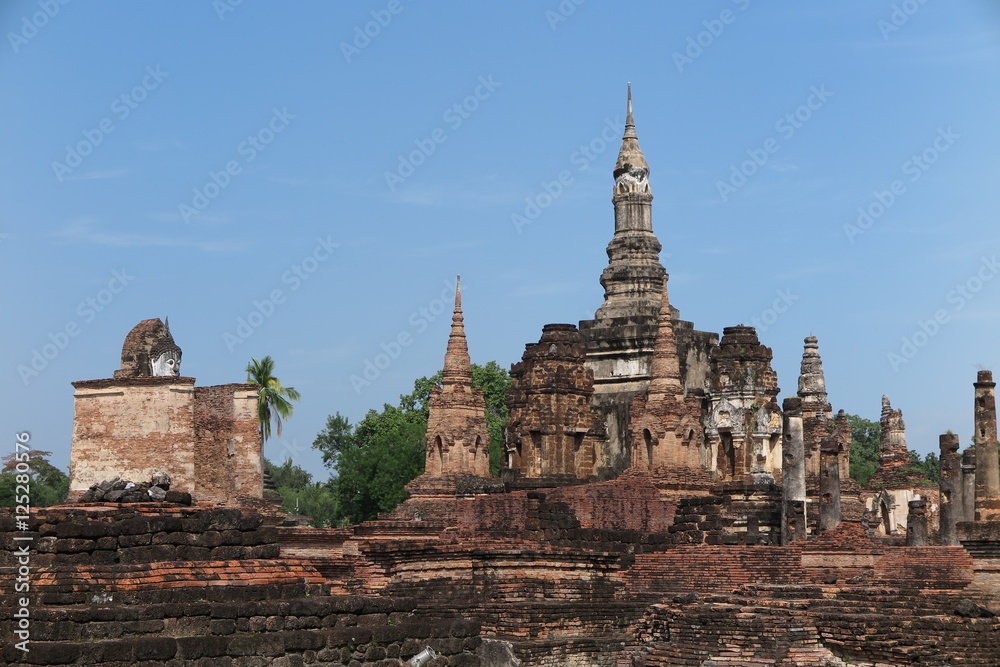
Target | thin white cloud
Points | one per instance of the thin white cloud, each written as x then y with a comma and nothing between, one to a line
98,175
202,218
83,230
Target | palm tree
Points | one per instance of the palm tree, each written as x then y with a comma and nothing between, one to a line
273,400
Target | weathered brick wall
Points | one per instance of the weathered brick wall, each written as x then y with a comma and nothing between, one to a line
627,503
98,598
206,438
227,455
132,428
735,513
143,533
794,625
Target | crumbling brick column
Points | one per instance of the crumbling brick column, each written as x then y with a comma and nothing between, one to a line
950,486
829,484
793,474
969,485
916,523
987,460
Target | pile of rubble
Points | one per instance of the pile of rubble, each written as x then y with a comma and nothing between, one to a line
118,490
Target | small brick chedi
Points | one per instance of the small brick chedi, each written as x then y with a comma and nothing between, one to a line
149,419
457,436
657,506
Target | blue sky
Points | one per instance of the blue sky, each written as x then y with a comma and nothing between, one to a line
209,161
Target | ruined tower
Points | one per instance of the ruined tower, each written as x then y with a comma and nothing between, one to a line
457,436
817,414
666,430
552,432
619,340
744,424
896,480
148,419
987,462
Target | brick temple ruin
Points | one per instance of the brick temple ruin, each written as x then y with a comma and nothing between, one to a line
147,418
657,506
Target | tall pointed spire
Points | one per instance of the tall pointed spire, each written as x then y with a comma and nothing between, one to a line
631,170
457,436
633,281
457,363
629,121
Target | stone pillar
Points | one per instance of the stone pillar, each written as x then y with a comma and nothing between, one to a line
829,484
793,474
987,460
916,523
950,487
969,485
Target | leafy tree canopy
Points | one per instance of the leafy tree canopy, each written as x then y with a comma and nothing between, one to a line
288,474
864,448
300,495
47,484
865,435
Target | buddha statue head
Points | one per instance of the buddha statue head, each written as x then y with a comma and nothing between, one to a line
165,357
150,351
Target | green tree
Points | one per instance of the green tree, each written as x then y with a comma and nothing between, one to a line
273,400
864,448
865,444
337,436
315,500
929,466
47,484
288,474
495,380
372,474
300,495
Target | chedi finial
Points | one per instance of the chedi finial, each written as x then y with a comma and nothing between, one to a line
631,170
